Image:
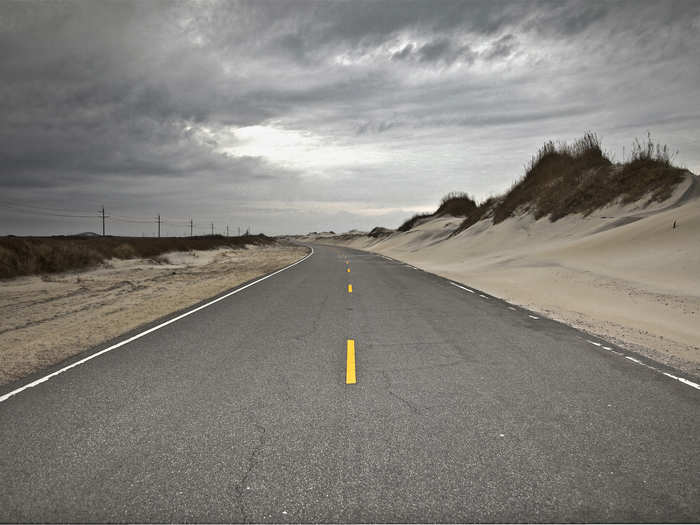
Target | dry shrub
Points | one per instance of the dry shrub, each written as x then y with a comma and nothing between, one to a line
553,179
413,221
482,211
562,179
125,251
44,255
456,204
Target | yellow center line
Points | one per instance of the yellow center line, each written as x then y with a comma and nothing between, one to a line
348,270
349,288
350,378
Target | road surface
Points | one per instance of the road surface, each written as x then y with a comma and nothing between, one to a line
464,409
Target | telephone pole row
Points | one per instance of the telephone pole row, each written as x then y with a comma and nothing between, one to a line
159,221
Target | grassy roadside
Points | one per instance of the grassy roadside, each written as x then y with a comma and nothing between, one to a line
42,255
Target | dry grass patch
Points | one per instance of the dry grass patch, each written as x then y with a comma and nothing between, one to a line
39,255
564,179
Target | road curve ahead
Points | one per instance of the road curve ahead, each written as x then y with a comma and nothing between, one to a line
463,408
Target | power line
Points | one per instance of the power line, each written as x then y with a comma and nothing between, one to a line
62,212
49,214
102,215
44,208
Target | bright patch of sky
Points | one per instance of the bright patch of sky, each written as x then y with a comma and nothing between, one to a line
302,150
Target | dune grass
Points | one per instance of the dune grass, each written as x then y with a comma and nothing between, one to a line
564,179
457,204
413,221
42,255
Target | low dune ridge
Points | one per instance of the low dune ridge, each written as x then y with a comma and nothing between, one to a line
627,271
45,255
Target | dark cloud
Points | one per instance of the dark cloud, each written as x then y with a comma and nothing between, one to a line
405,52
501,48
388,103
438,51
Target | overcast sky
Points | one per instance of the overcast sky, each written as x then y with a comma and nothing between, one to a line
297,116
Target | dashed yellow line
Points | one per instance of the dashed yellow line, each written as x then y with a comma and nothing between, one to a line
348,270
349,288
350,377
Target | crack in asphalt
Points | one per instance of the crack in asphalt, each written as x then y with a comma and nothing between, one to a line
240,487
316,320
410,405
405,401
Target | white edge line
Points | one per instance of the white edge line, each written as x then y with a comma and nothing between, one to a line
682,380
36,382
462,287
480,295
533,316
634,360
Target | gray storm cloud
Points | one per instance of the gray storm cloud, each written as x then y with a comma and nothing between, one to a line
296,116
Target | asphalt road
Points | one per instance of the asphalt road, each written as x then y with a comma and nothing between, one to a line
464,410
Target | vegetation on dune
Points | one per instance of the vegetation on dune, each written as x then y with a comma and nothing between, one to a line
39,255
553,180
379,231
563,179
413,221
456,204
482,211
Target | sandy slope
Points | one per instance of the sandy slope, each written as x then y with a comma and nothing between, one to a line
635,283
44,320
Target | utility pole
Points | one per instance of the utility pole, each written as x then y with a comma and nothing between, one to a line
191,226
159,225
227,230
212,228
239,231
103,221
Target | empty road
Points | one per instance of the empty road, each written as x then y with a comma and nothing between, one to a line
463,408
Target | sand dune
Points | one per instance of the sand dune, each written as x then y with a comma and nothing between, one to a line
623,272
